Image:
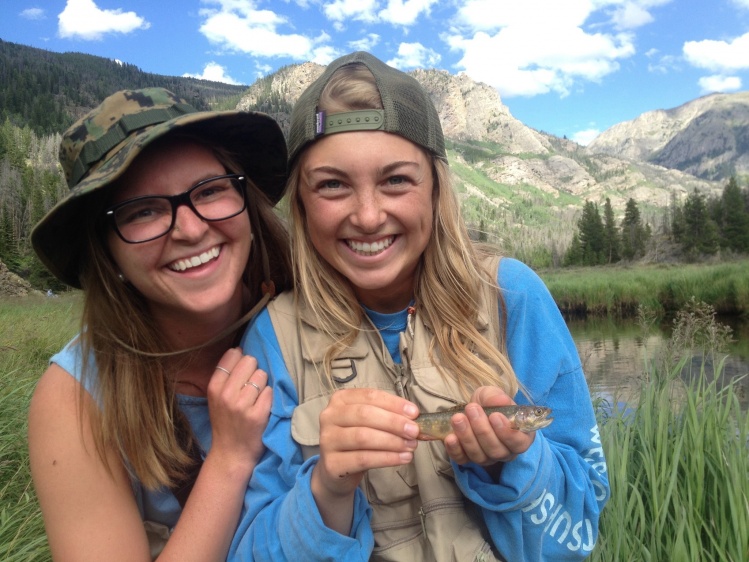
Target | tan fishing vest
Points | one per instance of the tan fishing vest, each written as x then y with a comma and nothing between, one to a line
419,514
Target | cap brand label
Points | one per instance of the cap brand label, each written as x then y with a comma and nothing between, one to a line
319,122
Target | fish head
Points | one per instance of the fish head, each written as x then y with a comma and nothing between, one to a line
531,418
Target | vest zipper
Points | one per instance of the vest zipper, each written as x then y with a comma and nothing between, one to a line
400,388
426,509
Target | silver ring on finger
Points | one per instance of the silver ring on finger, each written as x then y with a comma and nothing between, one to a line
250,383
220,368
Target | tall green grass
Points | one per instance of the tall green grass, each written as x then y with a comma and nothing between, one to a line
31,331
618,290
678,462
678,467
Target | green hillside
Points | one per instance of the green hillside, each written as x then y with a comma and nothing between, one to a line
48,91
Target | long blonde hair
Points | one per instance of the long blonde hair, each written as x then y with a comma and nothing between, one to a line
450,276
135,397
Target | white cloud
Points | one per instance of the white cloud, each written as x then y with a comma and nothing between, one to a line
631,16
663,64
395,12
83,19
586,136
324,54
718,56
33,14
518,64
263,69
414,55
534,47
742,3
483,15
345,10
214,72
405,12
366,43
719,83
237,26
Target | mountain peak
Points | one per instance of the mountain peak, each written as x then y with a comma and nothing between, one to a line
707,137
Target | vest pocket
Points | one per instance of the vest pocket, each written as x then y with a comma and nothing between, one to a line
472,544
440,460
391,484
305,421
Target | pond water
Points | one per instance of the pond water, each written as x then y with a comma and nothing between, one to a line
615,353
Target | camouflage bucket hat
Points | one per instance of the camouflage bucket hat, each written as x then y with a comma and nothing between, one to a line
407,111
98,148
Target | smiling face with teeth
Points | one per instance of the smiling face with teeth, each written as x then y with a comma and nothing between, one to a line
195,271
367,198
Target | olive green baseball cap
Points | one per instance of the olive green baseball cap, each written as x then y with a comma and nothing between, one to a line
98,148
407,110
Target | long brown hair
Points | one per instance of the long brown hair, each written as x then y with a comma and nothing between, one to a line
137,412
450,277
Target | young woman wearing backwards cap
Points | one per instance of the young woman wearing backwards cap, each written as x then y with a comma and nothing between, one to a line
144,430
396,311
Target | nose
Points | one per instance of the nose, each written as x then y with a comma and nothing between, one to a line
369,214
188,225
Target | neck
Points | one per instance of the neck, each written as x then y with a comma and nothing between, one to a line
185,329
197,333
386,303
193,376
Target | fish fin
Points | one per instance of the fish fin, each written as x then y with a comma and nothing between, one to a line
426,437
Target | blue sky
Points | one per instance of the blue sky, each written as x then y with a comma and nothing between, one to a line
568,67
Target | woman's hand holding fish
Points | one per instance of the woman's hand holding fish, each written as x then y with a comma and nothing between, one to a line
359,429
485,440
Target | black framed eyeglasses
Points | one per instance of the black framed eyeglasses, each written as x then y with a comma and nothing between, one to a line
146,218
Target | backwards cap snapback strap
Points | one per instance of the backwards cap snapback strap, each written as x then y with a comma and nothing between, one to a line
93,151
361,120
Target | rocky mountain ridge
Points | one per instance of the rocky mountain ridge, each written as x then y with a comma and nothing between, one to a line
707,137
487,139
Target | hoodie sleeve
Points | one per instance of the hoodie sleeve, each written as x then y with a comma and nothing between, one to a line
546,503
280,520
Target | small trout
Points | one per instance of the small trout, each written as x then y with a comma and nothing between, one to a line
437,425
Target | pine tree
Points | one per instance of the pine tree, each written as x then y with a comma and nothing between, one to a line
591,235
677,218
700,234
634,235
574,254
611,245
8,245
734,218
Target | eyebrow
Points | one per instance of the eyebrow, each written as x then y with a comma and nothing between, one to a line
326,169
396,165
111,199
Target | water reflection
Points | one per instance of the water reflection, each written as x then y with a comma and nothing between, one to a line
616,353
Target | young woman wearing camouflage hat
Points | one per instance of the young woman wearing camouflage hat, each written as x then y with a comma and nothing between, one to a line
144,431
396,311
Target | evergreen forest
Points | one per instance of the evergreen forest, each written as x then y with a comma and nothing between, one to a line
49,91
698,227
